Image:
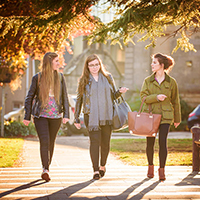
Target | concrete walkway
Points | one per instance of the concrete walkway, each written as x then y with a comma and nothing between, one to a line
71,175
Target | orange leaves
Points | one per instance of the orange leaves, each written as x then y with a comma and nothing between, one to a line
12,68
29,27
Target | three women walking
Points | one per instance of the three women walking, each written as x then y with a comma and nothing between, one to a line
95,94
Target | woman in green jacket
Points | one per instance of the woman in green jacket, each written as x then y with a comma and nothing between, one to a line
161,92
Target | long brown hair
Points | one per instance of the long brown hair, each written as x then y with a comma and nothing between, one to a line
84,79
49,79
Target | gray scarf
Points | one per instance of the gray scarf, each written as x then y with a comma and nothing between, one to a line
101,105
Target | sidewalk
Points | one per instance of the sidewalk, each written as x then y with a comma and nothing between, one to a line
171,135
71,175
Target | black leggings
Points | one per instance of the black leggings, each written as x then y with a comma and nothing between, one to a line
99,140
163,132
47,130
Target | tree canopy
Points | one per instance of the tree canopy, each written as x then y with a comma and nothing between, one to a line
33,27
150,18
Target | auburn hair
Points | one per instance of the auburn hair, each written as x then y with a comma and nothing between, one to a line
166,60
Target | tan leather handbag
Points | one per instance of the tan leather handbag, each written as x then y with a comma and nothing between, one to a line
143,124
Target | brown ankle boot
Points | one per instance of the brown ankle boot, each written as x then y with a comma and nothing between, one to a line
161,173
150,173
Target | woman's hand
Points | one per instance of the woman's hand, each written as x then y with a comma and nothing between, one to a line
26,122
123,89
176,125
78,125
161,97
65,120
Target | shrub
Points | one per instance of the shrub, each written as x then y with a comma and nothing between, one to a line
135,103
185,111
13,129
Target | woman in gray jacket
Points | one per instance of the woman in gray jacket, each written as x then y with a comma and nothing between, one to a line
48,94
95,92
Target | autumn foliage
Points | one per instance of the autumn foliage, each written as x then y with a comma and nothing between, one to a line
148,20
33,27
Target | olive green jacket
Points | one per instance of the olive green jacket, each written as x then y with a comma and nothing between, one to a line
170,107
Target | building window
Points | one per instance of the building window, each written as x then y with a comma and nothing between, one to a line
17,105
189,63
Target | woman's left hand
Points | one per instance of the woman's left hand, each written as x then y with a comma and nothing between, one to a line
26,122
176,125
65,120
123,89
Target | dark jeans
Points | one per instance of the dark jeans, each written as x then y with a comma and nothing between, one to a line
162,139
99,140
47,130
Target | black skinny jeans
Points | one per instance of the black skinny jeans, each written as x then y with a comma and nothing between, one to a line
47,130
99,140
162,139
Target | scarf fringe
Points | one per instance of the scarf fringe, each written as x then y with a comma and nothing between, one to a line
94,128
105,122
102,123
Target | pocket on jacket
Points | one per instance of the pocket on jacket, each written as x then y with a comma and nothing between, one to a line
167,115
167,112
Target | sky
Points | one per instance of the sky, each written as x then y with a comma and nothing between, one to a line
97,10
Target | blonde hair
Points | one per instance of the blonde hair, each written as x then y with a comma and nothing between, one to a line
84,79
49,79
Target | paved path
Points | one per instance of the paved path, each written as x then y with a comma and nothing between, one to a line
71,175
178,134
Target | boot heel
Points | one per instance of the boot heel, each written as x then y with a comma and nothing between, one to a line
150,173
161,173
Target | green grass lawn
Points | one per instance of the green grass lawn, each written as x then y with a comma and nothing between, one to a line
133,151
10,149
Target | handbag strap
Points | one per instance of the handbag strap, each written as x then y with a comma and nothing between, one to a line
150,108
117,100
122,98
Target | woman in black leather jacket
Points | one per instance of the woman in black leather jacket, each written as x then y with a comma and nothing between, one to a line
48,94
95,93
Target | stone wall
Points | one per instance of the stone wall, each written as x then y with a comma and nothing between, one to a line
186,70
75,67
137,65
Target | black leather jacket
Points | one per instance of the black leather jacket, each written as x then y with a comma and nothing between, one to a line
33,98
85,99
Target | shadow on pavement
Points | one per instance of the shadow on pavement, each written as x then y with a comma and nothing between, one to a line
23,187
127,192
67,192
190,180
